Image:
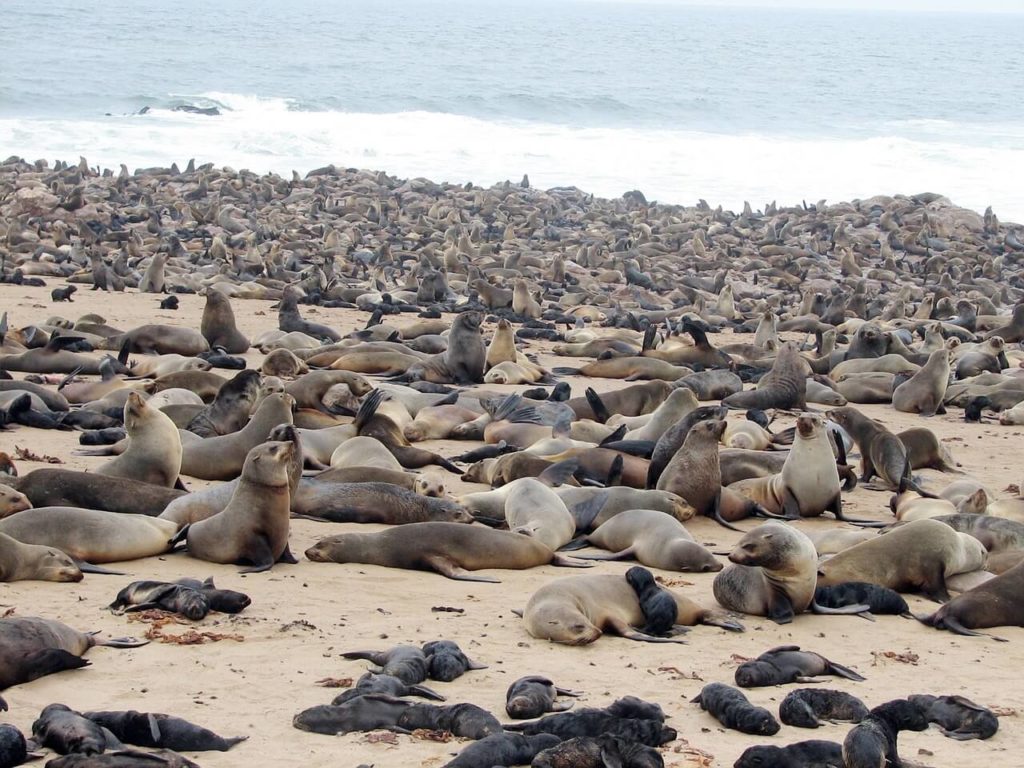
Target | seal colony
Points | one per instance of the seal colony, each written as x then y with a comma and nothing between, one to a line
383,311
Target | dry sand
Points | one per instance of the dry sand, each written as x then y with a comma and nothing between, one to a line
304,616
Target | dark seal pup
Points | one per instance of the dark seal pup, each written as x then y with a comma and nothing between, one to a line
872,742
788,664
733,710
807,707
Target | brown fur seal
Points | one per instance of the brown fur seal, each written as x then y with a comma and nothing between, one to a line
464,360
784,386
222,457
31,648
578,610
917,556
503,345
654,539
310,389
882,453
628,401
370,422
66,488
451,549
153,453
774,575
91,535
12,500
996,603
283,363
373,502
231,407
533,509
924,391
694,474
32,562
218,324
161,340
924,451
253,529
425,484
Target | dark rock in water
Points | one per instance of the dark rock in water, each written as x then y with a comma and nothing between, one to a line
193,110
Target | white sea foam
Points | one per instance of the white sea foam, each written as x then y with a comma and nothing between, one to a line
674,166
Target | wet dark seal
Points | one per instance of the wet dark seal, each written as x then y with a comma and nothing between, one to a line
733,710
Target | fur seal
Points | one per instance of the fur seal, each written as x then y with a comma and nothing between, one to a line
373,502
12,500
788,664
503,749
671,440
451,549
924,391
733,709
32,647
808,484
160,340
175,598
290,321
156,730
253,529
807,707
13,749
784,386
958,717
91,535
578,610
598,752
532,508
996,603
774,574
218,325
230,408
653,538
221,457
533,696
153,453
656,604
872,742
65,731
31,562
628,401
882,453
917,556
802,754
879,600
463,362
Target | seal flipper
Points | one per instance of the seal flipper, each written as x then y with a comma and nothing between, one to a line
624,554
618,434
716,513
426,693
569,562
287,557
780,608
614,472
841,671
623,629
260,556
446,567
85,567
122,642
790,505
597,405
585,513
559,472
3,702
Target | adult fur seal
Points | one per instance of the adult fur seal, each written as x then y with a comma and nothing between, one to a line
882,453
218,324
31,647
578,610
31,562
373,502
653,538
66,488
91,535
996,603
917,556
463,362
784,386
451,549
774,574
153,454
924,391
253,529
231,407
732,709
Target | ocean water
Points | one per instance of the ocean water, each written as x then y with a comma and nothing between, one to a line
725,104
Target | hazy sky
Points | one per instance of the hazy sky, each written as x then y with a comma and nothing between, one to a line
967,6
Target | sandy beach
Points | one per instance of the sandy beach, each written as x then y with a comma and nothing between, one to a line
271,661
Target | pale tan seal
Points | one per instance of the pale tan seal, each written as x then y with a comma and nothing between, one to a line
451,549
502,348
32,562
924,391
578,610
153,453
222,457
12,501
92,535
653,538
361,451
917,556
253,528
533,509
284,364
774,574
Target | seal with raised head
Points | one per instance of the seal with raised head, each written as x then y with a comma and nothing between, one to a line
253,529
784,386
774,574
218,324
924,391
451,549
463,362
872,742
153,454
578,610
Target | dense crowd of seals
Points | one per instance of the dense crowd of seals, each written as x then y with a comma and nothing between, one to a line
464,293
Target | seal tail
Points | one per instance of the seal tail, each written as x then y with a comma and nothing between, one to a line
907,482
